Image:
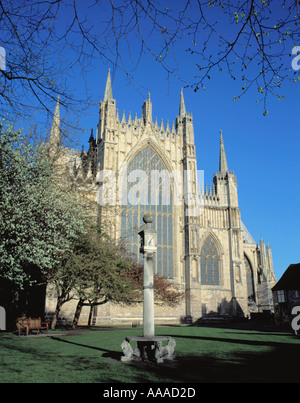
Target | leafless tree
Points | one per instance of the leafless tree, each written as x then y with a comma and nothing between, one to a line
46,41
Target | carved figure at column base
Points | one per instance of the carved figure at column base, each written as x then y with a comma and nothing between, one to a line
148,349
129,353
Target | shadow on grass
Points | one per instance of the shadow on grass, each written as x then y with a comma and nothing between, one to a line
276,366
267,362
107,353
229,360
264,334
241,341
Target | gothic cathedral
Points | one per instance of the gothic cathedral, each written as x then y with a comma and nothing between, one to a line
203,245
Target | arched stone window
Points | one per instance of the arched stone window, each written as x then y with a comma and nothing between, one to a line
148,190
249,280
210,263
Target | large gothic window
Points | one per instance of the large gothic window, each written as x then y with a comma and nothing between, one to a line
210,263
249,279
148,190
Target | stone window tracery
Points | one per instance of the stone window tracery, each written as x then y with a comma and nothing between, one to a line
210,263
154,195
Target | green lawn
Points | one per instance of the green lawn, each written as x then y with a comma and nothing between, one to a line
203,354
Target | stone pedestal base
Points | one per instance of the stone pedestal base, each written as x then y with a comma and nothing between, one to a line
148,348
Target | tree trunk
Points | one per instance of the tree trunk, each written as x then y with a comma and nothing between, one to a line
77,312
59,304
90,314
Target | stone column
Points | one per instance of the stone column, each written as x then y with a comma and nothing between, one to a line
149,346
148,248
148,306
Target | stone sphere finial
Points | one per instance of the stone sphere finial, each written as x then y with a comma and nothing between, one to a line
147,218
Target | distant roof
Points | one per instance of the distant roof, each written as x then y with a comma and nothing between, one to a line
247,238
290,280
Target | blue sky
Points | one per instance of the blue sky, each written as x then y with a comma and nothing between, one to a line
263,151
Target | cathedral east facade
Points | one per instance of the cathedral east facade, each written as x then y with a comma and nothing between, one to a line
137,165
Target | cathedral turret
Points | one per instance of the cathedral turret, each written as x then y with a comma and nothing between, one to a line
92,153
106,129
147,111
91,139
182,110
266,260
267,276
184,125
182,113
107,112
225,183
271,274
262,248
108,95
185,129
54,140
223,166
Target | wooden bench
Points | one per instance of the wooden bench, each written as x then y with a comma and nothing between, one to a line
28,324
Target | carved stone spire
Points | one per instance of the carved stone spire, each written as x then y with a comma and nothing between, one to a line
182,110
223,166
54,140
108,89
